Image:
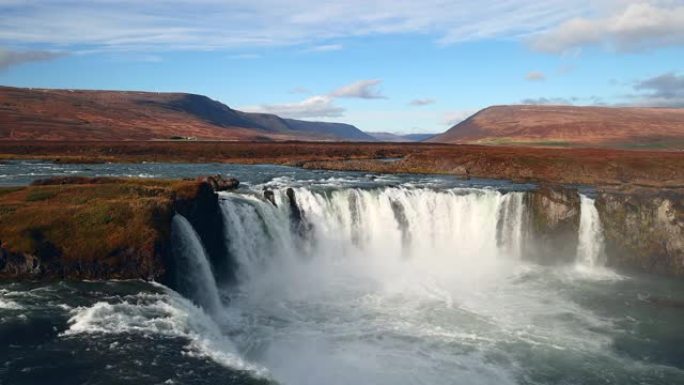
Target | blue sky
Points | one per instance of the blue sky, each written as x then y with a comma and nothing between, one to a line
398,66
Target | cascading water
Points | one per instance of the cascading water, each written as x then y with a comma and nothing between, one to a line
590,249
455,228
368,279
194,277
351,273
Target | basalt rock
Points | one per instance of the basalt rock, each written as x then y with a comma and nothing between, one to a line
299,223
270,196
644,231
202,209
552,216
219,182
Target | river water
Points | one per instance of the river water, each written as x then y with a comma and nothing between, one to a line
383,279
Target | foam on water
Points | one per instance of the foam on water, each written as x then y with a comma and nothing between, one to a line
160,314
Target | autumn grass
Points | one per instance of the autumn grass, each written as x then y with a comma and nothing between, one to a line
90,221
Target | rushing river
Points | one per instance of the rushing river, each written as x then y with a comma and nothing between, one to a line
381,279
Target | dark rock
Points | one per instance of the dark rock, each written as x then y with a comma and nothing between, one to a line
270,196
299,223
644,231
553,215
219,182
203,211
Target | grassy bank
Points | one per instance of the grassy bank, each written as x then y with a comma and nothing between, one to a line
88,227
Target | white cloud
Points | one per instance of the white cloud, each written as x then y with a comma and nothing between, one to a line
313,107
9,58
322,106
363,89
636,27
421,102
535,76
213,24
452,118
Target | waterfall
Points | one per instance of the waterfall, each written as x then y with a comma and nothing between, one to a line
194,277
454,229
511,224
590,249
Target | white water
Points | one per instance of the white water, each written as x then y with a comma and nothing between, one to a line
449,230
394,285
590,248
166,314
194,275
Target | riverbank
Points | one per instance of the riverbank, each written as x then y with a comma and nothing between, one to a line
100,228
599,167
120,228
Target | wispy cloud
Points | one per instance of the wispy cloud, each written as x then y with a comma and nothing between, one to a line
322,106
325,48
313,107
212,24
535,76
9,58
363,89
452,118
421,102
636,27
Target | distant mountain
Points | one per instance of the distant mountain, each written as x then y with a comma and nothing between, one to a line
390,137
569,125
50,114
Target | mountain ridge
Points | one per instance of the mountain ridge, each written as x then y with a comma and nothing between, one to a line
62,114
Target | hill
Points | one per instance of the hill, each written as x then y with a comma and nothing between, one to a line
629,127
51,114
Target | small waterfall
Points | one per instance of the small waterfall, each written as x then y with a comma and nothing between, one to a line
194,277
590,249
511,224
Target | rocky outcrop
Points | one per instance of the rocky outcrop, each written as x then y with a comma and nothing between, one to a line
219,182
201,208
644,230
552,216
299,223
104,228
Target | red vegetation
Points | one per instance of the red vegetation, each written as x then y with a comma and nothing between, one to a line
585,165
567,125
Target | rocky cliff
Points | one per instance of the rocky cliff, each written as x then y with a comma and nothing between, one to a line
644,230
103,228
553,216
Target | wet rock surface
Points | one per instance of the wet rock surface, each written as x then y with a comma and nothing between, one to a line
644,231
553,216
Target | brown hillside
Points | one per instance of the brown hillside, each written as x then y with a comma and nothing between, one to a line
51,114
585,126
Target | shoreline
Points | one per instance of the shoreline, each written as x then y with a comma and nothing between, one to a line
623,169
